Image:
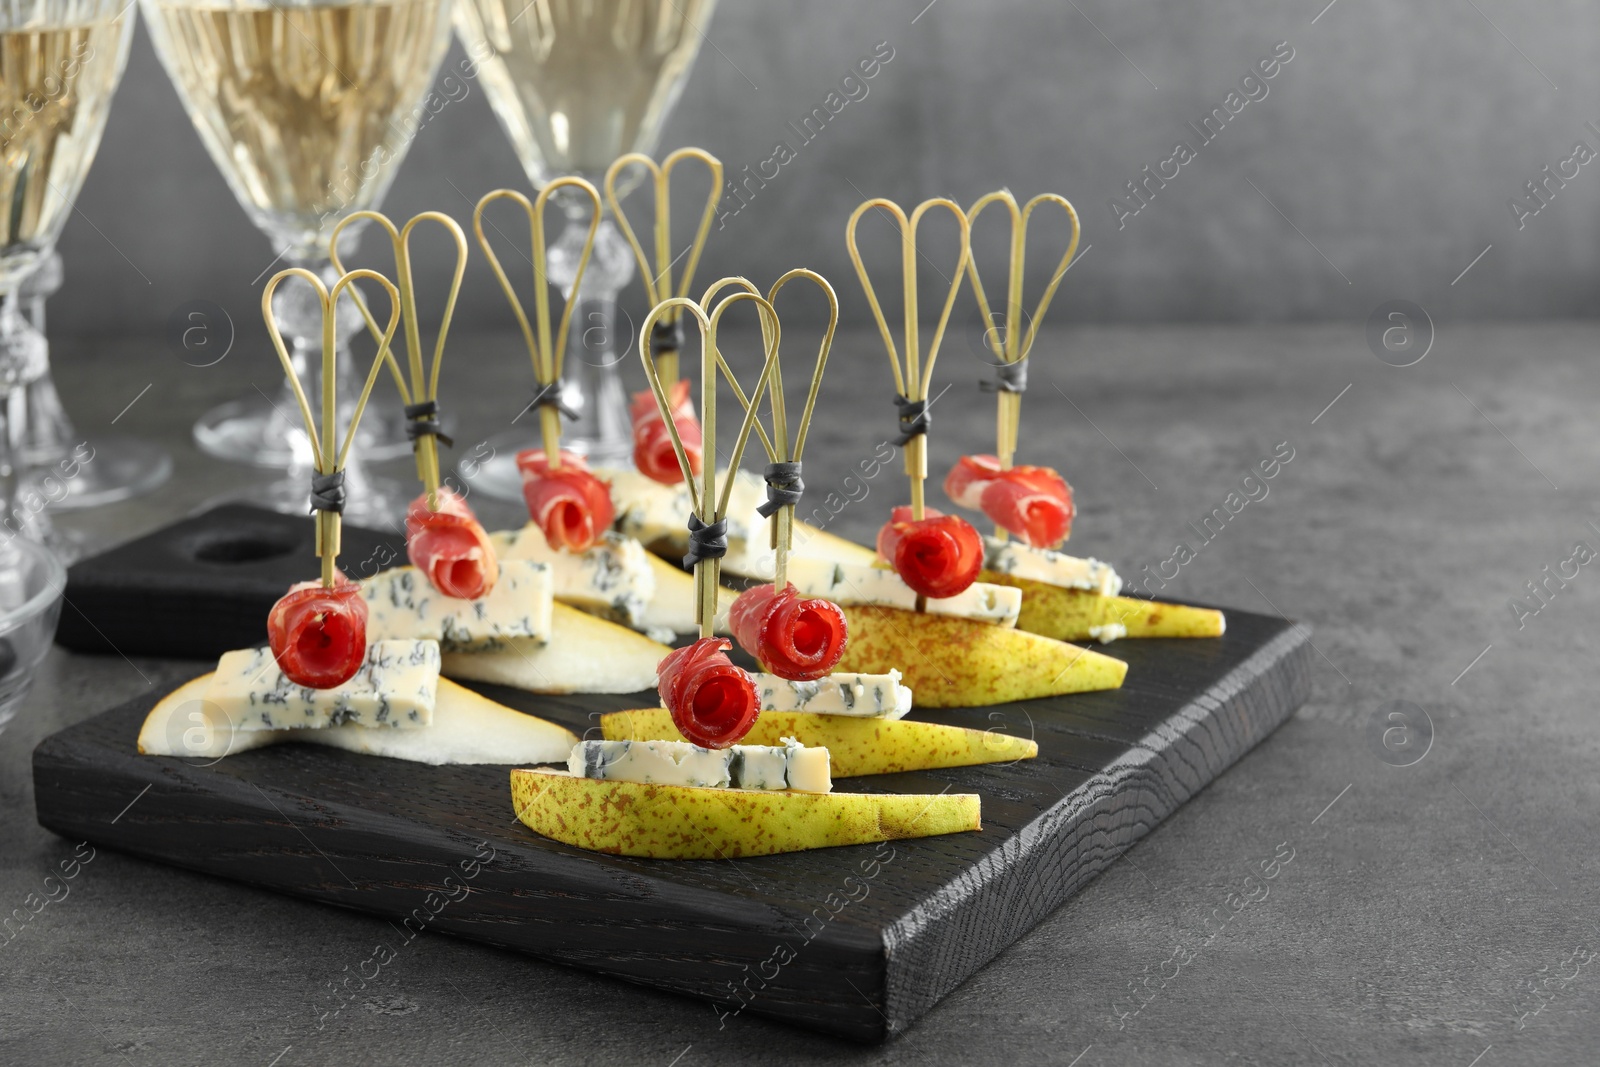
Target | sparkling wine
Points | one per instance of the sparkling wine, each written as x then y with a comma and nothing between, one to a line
307,108
577,83
58,71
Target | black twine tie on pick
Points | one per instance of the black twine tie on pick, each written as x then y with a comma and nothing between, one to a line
423,421
1010,378
913,418
666,336
706,541
327,491
784,486
549,395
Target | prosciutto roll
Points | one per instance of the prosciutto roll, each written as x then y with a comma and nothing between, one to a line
450,546
938,556
653,453
794,638
318,635
570,504
712,701
1032,503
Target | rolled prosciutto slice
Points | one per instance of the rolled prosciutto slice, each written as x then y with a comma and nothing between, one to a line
317,635
570,504
1033,503
450,546
713,703
938,556
653,453
794,638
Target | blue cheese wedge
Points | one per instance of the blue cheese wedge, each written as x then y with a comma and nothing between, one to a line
1107,632
658,516
981,602
851,583
653,513
402,603
396,686
613,579
788,766
647,510
856,584
1050,567
867,696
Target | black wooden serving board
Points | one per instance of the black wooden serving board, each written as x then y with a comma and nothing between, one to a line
204,584
857,941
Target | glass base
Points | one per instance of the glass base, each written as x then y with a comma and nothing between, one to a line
498,477
122,467
30,520
251,430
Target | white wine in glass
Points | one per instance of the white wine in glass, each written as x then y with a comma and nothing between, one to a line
307,108
60,62
575,84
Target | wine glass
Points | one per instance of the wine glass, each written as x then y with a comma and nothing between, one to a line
307,107
123,466
60,62
575,84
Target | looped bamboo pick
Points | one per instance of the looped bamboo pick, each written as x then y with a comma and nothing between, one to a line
421,399
784,472
549,356
328,456
708,523
911,380
658,282
1009,343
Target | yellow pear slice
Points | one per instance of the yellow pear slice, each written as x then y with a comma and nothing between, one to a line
1071,614
585,655
687,823
958,663
855,745
184,723
466,728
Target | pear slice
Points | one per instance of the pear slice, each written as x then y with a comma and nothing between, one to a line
184,723
688,823
855,745
466,728
1084,615
585,654
959,663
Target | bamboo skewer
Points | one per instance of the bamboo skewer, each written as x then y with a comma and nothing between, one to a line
1011,345
658,285
328,456
710,504
911,381
424,387
777,445
549,356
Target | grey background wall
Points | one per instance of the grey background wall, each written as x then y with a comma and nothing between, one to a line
1378,165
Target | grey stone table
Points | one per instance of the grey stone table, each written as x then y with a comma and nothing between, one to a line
1441,912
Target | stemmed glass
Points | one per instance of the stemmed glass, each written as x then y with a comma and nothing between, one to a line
123,466
575,84
60,61
307,107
